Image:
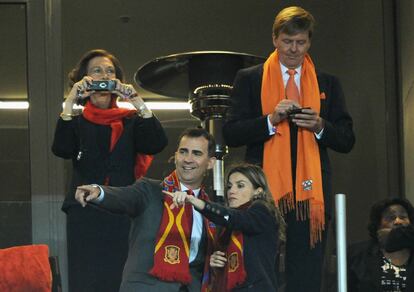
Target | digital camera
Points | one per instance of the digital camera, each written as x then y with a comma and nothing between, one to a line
102,85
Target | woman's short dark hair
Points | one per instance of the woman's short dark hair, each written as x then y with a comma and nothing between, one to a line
258,179
81,69
379,207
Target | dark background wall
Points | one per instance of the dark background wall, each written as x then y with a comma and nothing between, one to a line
406,65
367,44
15,198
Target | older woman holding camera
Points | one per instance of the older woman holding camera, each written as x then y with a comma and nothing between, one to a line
107,145
244,246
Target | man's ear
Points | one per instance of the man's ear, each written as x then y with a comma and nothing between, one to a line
211,162
274,40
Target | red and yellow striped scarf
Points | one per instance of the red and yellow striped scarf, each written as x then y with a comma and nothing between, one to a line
172,249
309,202
234,273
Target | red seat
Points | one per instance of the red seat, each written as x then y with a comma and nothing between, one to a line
28,268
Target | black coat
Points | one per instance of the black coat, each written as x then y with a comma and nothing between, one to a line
87,144
248,126
93,266
260,237
365,260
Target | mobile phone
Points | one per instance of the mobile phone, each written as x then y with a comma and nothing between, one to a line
297,110
102,85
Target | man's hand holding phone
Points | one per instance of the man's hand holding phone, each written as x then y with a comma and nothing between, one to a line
282,111
307,118
295,111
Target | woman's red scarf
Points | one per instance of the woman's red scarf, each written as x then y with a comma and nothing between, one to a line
172,249
113,117
233,273
309,202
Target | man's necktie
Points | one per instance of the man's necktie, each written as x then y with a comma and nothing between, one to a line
291,90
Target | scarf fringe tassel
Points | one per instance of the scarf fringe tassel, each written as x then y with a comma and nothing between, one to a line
305,210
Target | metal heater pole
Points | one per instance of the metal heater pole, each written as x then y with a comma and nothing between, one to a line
340,206
214,127
218,173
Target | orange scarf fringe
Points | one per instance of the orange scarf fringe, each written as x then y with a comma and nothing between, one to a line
309,202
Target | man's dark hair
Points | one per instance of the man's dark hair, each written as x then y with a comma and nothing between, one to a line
200,132
81,68
293,20
379,207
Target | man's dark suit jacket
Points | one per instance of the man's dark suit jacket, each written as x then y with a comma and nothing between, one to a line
248,126
143,202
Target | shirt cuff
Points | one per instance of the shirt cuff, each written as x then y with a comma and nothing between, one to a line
271,128
101,194
319,135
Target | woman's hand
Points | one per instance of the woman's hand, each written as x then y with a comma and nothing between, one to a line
128,93
218,259
179,198
125,91
80,90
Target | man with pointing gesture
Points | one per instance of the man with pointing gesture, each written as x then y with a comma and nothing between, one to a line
167,246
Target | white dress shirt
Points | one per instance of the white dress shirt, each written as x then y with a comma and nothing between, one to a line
197,229
285,77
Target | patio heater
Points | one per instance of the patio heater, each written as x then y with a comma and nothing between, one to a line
204,79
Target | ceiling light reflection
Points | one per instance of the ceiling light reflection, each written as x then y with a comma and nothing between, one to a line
150,104
14,104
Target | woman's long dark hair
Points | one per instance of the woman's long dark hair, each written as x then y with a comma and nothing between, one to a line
258,179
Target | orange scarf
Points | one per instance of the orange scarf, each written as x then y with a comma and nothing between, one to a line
172,248
113,117
276,155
